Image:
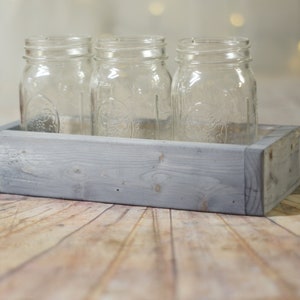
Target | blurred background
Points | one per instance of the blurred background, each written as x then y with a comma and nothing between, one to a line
273,26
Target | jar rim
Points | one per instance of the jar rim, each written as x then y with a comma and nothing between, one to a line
57,47
212,44
129,42
55,41
130,47
213,50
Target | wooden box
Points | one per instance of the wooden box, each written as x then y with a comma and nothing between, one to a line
237,179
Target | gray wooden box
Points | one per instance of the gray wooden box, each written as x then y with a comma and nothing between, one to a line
237,179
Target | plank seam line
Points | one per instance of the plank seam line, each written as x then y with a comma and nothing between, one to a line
266,268
9,216
99,287
37,256
286,229
36,222
174,261
290,202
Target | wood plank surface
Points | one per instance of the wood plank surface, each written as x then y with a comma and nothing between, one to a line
281,165
64,249
209,177
272,169
236,179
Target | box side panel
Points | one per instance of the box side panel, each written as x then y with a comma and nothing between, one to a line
281,166
12,126
172,175
254,181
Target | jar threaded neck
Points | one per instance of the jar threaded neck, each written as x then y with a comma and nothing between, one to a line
197,50
57,47
130,48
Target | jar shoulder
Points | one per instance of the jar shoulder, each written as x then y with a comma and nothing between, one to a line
103,74
49,72
196,76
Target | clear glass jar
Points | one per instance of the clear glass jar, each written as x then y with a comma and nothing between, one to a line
131,88
54,89
214,92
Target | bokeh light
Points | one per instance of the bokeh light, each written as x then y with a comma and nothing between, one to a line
237,20
156,8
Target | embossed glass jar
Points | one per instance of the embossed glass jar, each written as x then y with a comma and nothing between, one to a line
214,91
131,88
54,89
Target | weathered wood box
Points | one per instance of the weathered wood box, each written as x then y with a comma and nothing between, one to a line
237,179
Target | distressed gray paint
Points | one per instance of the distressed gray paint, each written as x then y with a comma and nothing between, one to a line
182,175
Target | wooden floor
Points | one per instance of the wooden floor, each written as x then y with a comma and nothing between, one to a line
59,249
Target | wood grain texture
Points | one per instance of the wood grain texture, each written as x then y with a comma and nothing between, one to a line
281,165
235,179
162,174
272,169
56,249
254,183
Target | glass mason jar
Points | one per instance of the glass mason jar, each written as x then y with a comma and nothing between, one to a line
214,92
54,89
131,88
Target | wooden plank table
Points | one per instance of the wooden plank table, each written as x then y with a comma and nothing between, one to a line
59,249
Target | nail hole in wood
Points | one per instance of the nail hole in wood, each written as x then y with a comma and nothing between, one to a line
271,155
